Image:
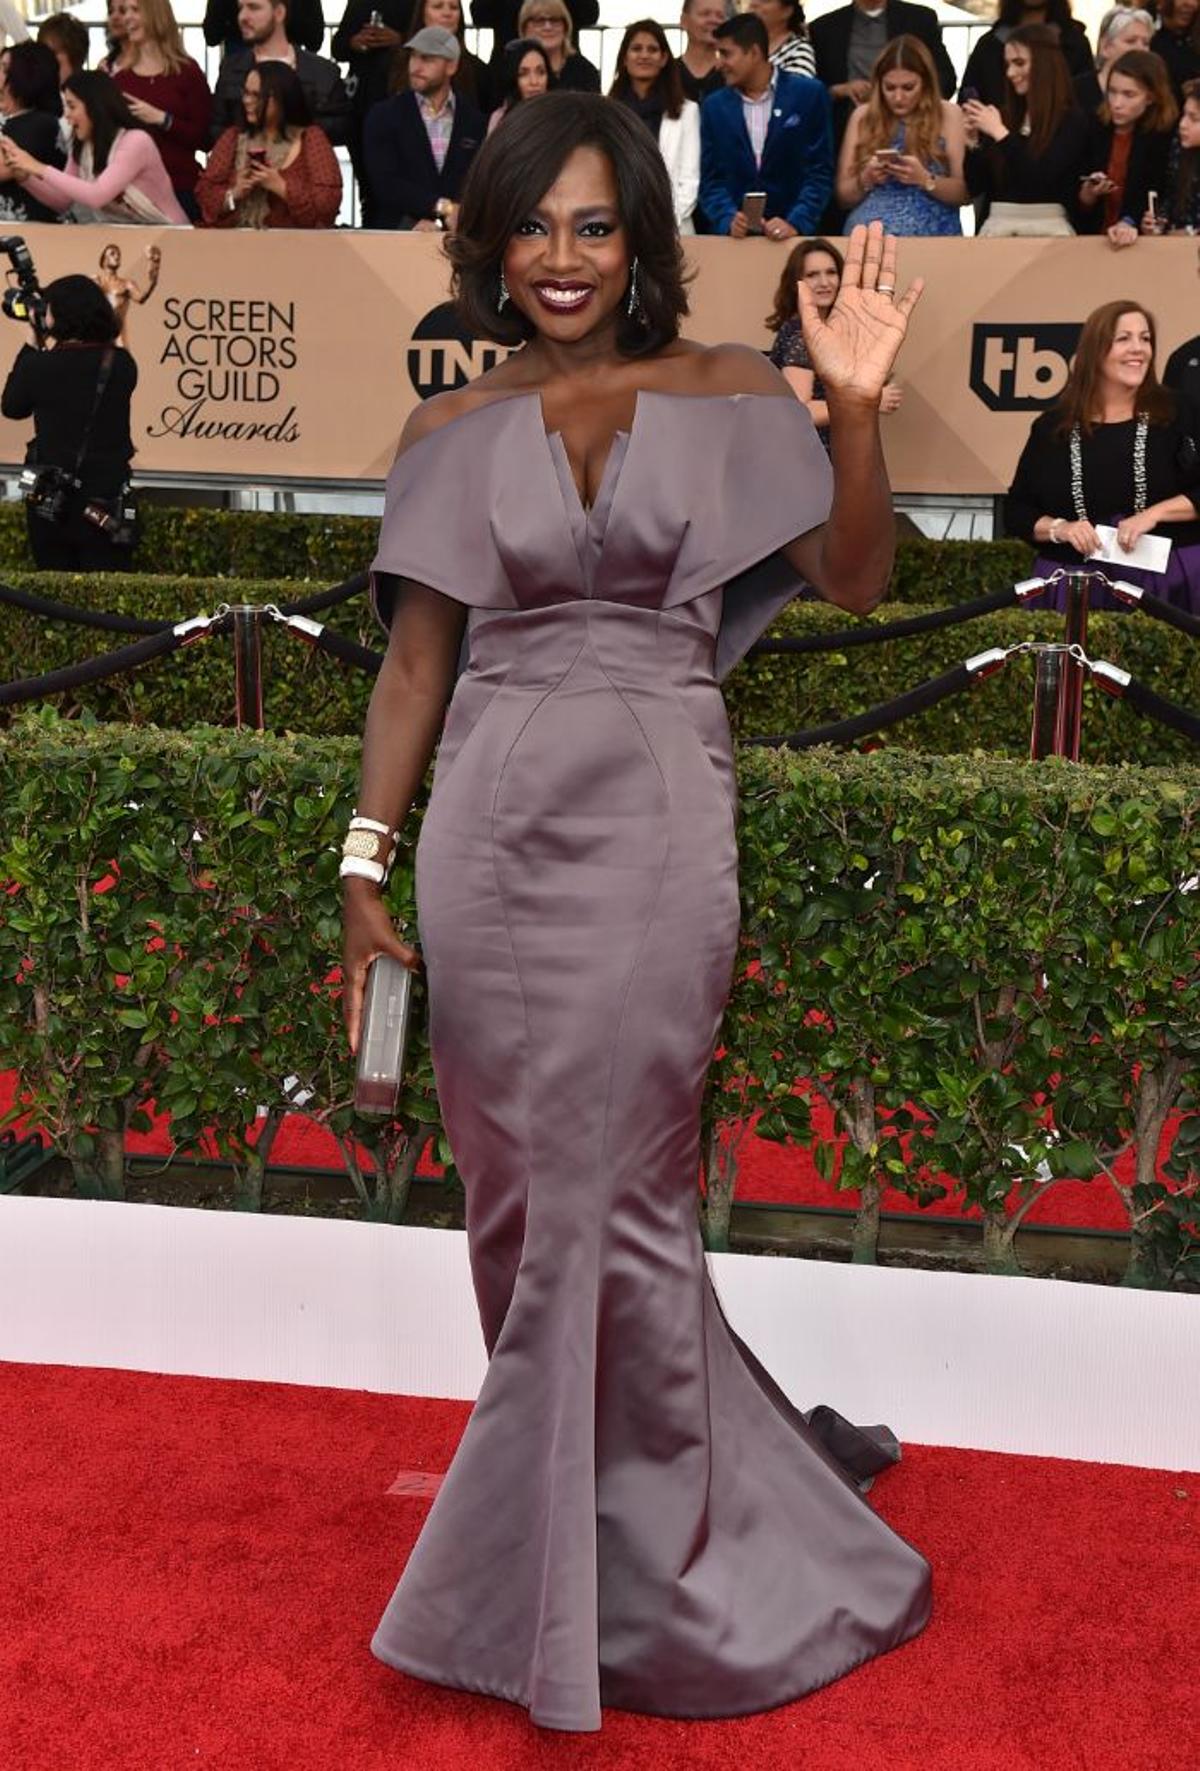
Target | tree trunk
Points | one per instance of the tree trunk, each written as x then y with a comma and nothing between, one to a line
401,1170
999,1242
249,1195
1156,1094
110,1164
720,1173
858,1116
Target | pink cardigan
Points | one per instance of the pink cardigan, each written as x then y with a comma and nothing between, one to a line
134,161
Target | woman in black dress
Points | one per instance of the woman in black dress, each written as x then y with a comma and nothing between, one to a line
1129,142
1026,156
1116,449
29,105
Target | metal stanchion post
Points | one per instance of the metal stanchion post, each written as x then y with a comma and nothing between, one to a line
1069,721
1058,683
247,659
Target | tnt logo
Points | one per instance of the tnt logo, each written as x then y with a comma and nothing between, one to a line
1021,368
442,355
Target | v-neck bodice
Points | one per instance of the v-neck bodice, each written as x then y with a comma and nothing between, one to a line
696,498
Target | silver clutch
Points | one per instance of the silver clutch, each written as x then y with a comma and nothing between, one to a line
383,1039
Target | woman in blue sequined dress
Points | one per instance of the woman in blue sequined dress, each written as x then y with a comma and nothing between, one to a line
902,155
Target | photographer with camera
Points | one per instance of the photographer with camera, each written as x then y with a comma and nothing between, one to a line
76,383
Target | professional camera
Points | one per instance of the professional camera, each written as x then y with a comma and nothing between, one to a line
47,490
23,299
116,518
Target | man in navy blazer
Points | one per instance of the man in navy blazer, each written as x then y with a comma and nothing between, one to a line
418,145
767,131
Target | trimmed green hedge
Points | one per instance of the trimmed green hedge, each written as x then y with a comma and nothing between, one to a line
306,691
987,968
205,543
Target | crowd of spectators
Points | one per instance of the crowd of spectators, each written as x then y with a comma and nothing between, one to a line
766,124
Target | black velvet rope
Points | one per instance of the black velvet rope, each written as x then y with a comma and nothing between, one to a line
876,719
1177,618
92,670
44,605
1167,713
113,623
325,599
888,630
348,651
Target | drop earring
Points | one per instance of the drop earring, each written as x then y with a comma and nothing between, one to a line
633,305
502,297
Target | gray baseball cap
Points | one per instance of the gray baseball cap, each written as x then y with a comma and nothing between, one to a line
435,40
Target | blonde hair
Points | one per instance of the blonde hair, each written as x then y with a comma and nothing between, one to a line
923,125
529,7
162,29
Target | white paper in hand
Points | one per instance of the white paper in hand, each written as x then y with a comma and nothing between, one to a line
1151,553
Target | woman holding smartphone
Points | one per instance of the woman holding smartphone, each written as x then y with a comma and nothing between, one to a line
277,170
901,160
1026,158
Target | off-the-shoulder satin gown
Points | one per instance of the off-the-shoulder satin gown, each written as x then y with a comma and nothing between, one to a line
636,1515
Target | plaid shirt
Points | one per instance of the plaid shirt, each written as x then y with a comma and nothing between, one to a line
756,113
439,126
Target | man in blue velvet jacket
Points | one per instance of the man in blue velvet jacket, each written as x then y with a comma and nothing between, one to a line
767,131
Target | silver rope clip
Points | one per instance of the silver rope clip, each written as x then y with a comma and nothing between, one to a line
1128,593
986,663
194,627
1030,587
1109,677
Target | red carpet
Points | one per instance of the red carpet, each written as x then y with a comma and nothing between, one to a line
768,1172
193,1570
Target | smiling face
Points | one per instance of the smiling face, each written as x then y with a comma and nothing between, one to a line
1018,65
548,26
1130,354
135,25
567,265
644,59
252,103
901,91
115,23
78,121
821,275
1127,100
532,79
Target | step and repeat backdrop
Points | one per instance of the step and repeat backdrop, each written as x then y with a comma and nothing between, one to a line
291,356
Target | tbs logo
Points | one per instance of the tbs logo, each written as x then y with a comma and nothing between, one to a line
1021,368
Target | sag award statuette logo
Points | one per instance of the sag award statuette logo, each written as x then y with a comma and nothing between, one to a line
230,359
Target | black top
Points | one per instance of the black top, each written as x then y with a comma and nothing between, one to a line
56,388
37,133
1008,172
1042,486
695,89
985,75
1183,209
1182,372
578,74
1181,56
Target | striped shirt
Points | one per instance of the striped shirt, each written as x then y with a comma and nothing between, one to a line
756,113
795,56
439,126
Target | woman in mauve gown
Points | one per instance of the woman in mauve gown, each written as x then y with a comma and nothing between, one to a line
636,1515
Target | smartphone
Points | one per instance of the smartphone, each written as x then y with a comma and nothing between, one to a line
375,20
383,1036
257,156
970,95
754,205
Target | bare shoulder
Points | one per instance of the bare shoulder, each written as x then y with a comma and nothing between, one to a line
736,369
441,409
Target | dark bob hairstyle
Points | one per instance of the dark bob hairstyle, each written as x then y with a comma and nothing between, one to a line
81,312
32,77
513,170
